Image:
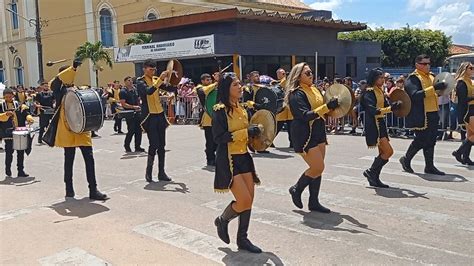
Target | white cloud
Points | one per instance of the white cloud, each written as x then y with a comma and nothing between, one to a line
326,5
456,19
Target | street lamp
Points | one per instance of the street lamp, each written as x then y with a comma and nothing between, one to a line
37,24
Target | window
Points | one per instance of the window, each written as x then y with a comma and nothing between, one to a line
151,16
373,60
14,8
2,72
19,71
106,32
326,67
351,66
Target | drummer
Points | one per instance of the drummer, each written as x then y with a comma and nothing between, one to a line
206,87
13,115
130,101
69,140
44,100
285,116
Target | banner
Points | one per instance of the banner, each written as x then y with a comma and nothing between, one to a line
196,46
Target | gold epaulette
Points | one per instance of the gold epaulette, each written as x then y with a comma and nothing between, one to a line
24,107
247,89
218,106
370,89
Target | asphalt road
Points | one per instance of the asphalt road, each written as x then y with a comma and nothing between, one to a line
422,219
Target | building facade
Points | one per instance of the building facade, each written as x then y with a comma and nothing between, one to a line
65,25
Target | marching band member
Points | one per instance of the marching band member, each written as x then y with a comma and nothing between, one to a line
114,100
154,121
284,116
13,115
465,93
44,99
130,100
203,90
423,117
21,95
308,132
235,169
376,106
69,140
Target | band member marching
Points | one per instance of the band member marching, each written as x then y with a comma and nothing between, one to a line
44,100
13,115
308,132
423,117
21,96
113,95
203,90
284,116
465,94
69,140
376,106
235,170
129,100
154,121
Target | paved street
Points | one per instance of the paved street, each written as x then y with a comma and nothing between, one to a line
423,219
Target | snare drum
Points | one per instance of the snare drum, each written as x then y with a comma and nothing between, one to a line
20,139
271,98
84,110
48,111
127,114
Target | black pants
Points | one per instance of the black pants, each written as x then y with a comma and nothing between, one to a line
20,156
426,138
156,125
288,126
87,154
211,146
133,129
118,121
443,118
44,123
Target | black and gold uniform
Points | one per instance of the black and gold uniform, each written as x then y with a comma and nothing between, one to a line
308,109
248,97
230,130
206,125
376,106
130,96
113,96
465,94
423,119
154,122
21,97
284,116
46,100
20,118
69,140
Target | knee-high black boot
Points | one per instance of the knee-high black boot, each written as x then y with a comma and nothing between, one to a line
243,242
406,160
429,163
222,222
467,152
314,188
162,176
459,153
149,168
297,189
373,173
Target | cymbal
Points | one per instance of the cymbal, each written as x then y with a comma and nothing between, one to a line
268,122
447,78
344,96
175,72
401,95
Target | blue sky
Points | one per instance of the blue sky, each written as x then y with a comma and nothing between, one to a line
454,17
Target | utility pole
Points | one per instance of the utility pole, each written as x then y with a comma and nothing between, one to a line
38,43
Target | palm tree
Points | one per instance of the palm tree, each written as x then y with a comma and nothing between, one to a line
139,38
96,53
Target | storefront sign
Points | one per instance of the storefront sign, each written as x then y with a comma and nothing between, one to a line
196,46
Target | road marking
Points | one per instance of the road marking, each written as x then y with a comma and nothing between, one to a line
381,208
73,256
421,163
296,224
420,155
199,243
409,190
391,254
13,214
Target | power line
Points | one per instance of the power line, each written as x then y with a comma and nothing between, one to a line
85,13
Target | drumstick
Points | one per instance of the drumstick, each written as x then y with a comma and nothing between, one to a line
225,68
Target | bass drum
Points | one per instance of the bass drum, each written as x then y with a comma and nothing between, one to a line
84,110
270,98
211,100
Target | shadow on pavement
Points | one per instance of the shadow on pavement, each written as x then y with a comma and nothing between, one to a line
289,150
78,208
247,258
168,187
19,181
271,155
331,221
209,168
443,178
399,193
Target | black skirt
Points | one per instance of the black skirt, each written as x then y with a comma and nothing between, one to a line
243,163
470,112
382,128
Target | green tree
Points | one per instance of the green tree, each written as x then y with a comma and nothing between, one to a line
139,38
96,53
401,46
